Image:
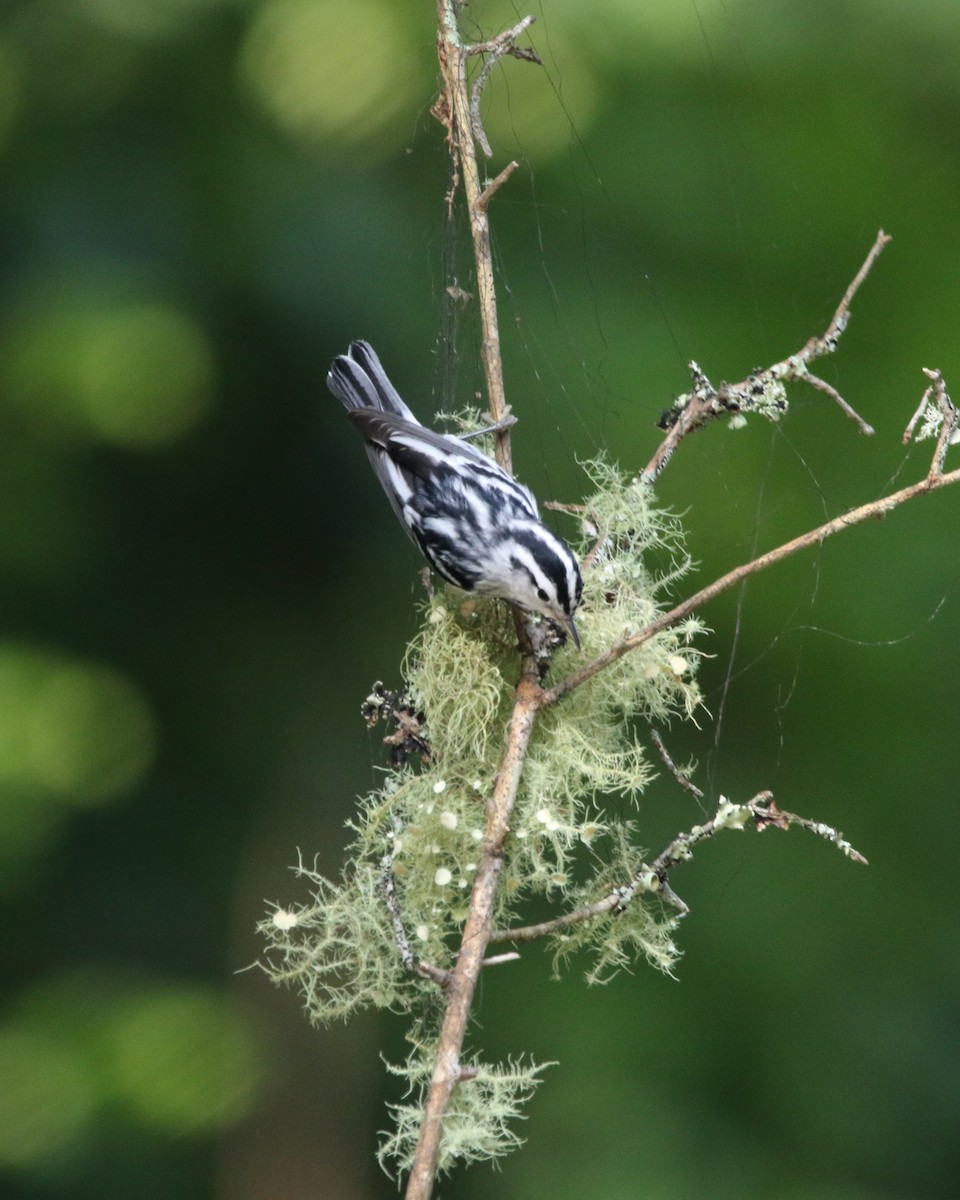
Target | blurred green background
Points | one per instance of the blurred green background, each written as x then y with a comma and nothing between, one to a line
203,201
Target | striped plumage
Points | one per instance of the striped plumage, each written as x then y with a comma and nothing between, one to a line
476,526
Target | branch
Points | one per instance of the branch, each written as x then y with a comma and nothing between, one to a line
462,982
940,419
934,480
458,110
478,934
493,50
762,391
654,877
487,195
680,776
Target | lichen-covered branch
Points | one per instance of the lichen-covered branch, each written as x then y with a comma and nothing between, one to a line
940,419
476,935
762,391
761,812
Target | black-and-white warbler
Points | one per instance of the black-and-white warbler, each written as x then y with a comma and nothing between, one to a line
476,526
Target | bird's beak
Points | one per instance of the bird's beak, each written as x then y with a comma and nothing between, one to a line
573,631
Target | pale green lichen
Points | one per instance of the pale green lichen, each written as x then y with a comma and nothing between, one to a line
333,949
477,1125
618,938
454,678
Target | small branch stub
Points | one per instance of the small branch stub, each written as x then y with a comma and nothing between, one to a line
940,419
497,182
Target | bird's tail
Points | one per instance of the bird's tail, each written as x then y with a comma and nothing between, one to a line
359,381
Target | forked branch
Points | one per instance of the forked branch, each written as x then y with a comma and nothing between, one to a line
759,812
762,391
940,419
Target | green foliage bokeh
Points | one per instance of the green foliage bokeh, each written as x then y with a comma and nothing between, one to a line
202,201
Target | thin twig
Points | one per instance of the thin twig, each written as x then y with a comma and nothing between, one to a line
921,409
576,916
829,390
772,815
496,960
684,780
388,890
497,182
842,315
762,391
866,512
761,812
437,975
493,50
949,418
941,419
503,43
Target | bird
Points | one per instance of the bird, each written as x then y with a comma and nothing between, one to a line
476,525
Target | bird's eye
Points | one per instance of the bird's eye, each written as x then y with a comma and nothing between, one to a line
542,594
